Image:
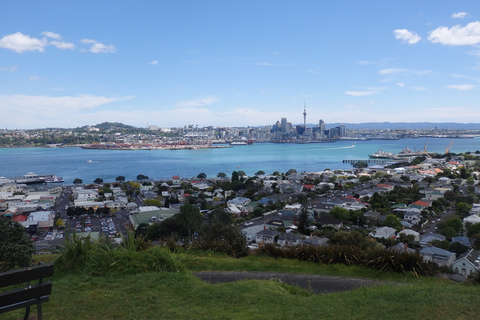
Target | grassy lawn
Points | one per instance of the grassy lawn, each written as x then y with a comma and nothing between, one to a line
160,295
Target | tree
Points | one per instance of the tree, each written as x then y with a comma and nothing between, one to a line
98,181
455,223
221,175
120,179
360,164
202,175
340,213
260,173
190,217
392,221
303,221
235,176
77,181
220,216
291,171
16,249
448,232
463,208
152,202
141,177
473,230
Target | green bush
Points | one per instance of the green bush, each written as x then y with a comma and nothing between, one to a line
83,255
374,257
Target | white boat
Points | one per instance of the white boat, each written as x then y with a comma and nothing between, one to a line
54,179
89,161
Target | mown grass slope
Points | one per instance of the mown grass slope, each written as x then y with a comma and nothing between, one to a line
180,295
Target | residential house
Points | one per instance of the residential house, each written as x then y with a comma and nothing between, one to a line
468,263
429,238
289,239
437,255
463,240
266,236
250,233
327,221
383,232
315,241
415,234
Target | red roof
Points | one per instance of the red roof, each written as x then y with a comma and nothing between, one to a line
421,203
309,186
20,217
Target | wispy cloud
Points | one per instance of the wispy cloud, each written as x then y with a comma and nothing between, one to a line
9,69
460,15
407,36
154,62
36,78
363,93
201,102
461,87
396,71
98,47
457,35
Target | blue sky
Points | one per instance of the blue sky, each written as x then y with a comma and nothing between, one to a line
237,63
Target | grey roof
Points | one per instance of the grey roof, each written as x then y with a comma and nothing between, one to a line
434,251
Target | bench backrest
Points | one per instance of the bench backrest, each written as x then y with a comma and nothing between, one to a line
30,293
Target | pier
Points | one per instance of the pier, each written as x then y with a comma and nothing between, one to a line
370,161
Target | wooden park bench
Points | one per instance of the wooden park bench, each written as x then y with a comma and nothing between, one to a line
29,293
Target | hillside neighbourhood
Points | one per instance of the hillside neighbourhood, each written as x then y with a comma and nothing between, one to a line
430,206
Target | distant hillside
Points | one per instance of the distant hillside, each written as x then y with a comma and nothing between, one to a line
408,125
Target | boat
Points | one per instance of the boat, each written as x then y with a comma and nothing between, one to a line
54,179
380,154
238,143
89,161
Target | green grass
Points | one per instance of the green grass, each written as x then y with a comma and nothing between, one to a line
179,295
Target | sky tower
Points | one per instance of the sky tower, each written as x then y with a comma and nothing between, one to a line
304,116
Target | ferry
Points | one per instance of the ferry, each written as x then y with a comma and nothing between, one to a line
380,154
54,179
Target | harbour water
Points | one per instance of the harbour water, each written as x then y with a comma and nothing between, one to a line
71,162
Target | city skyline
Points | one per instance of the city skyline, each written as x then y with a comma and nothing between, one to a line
238,64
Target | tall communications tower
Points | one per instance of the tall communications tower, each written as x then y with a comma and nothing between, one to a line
304,116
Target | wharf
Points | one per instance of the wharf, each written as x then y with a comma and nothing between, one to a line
369,161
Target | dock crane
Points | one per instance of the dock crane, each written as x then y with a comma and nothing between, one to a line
425,152
447,149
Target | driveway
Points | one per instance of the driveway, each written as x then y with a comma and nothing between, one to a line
317,284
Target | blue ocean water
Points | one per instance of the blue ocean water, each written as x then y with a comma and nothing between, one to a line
71,163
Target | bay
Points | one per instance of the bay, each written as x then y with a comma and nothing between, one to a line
71,163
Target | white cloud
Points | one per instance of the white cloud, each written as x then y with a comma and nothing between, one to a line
363,93
408,36
461,87
9,69
20,42
395,71
154,62
23,111
52,35
401,85
460,15
457,35
62,45
197,102
392,71
97,47
36,78
418,88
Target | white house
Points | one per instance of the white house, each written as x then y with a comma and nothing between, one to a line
383,232
468,263
407,232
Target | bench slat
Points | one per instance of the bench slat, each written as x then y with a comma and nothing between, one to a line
26,274
29,295
23,304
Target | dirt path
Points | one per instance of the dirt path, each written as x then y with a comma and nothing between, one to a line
314,283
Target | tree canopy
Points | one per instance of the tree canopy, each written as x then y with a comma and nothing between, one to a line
16,249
